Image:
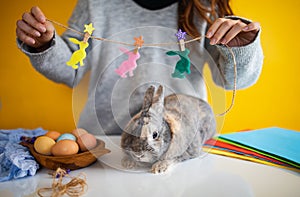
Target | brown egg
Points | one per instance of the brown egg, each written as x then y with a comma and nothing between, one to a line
43,145
78,132
53,134
65,147
86,142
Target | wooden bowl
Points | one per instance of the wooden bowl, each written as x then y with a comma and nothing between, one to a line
72,162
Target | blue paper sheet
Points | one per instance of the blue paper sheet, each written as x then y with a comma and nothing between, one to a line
277,141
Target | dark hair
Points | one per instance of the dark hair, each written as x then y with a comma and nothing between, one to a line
187,9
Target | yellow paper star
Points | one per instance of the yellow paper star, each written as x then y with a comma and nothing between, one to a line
138,41
89,28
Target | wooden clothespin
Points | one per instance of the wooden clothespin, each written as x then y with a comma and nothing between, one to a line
86,37
181,45
88,32
181,37
138,43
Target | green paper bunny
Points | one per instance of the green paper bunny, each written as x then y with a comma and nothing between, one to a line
183,65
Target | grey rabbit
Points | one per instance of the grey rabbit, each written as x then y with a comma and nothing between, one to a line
166,130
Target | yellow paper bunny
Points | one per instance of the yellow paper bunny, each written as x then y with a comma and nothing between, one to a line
79,55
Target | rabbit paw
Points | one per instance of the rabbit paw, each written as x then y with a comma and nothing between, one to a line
161,166
128,163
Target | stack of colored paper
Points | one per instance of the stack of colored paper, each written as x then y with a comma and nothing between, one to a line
271,146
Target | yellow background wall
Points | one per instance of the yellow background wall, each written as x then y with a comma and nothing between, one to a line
29,100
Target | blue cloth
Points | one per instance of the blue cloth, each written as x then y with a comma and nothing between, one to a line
15,159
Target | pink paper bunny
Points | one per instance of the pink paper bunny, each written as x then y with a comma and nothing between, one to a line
128,65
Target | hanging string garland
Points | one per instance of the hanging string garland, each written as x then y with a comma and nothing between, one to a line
127,66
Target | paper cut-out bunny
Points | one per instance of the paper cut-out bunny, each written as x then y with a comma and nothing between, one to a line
79,55
128,65
183,65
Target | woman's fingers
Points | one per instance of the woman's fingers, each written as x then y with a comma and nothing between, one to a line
214,27
38,14
219,29
223,30
253,26
33,29
33,22
233,32
27,29
24,37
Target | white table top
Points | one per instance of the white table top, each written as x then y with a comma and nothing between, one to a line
211,175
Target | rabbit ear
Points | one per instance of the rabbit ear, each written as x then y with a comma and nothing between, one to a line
153,117
74,40
171,53
148,99
158,100
159,96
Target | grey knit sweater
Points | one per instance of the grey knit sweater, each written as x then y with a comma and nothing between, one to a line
113,100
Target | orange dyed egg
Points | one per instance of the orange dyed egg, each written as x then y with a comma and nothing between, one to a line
78,132
86,142
53,134
43,145
65,147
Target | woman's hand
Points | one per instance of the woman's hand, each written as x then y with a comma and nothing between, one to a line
34,30
232,32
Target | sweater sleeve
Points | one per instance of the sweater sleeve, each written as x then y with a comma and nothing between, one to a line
249,61
52,61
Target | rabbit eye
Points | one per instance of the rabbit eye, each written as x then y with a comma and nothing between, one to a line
155,135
